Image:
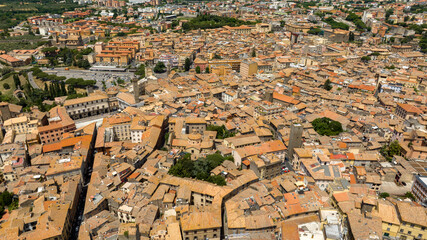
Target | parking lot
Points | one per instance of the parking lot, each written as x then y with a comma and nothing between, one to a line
98,76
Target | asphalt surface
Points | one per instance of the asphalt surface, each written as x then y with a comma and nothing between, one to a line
98,76
31,80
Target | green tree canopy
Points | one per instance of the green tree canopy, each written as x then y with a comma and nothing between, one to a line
384,195
327,85
160,67
221,131
187,64
199,169
326,126
391,150
141,71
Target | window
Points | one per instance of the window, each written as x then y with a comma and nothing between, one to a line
412,225
401,230
409,232
420,236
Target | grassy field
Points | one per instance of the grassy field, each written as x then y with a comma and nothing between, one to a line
9,81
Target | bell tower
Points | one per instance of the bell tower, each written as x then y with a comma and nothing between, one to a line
135,89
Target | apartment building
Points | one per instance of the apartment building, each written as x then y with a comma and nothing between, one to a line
137,128
229,96
21,125
248,68
59,123
404,110
201,225
265,166
419,189
117,52
389,217
195,125
113,57
413,220
268,110
92,105
120,124
9,110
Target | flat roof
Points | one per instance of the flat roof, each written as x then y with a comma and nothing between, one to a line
107,68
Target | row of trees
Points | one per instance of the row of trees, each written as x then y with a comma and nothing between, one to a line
37,72
206,21
80,82
55,90
334,24
199,169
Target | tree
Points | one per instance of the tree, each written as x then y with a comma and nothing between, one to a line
384,195
365,58
253,53
63,89
187,64
160,67
351,37
141,71
327,85
221,131
83,64
199,169
410,196
207,69
314,31
388,13
6,198
326,126
216,56
391,150
198,69
16,81
126,234
120,81
6,86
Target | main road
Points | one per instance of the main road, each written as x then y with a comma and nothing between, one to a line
31,80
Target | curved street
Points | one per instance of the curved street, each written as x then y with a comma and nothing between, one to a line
31,80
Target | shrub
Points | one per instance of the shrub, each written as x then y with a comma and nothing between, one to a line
384,195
